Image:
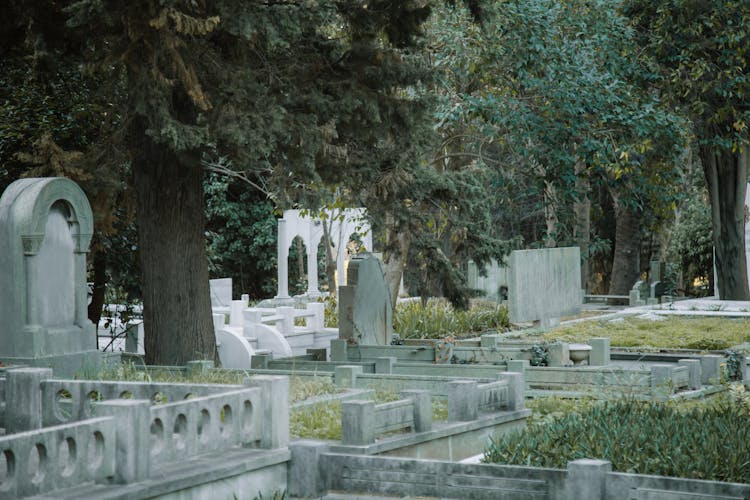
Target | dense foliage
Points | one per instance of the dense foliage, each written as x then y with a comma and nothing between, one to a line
644,438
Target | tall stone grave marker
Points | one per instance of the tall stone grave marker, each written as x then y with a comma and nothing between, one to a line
45,230
365,313
545,284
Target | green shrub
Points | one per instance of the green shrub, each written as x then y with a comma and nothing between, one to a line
438,319
701,442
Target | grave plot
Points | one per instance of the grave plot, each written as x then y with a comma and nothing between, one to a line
78,438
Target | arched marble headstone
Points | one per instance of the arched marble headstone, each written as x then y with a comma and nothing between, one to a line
45,230
365,313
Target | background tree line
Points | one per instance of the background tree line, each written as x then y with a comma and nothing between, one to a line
466,129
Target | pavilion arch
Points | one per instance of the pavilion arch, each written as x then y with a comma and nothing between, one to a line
309,227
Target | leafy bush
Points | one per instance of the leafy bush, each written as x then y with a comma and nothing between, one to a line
438,319
701,442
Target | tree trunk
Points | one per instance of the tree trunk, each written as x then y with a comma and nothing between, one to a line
582,210
330,257
394,257
176,299
99,268
726,178
625,270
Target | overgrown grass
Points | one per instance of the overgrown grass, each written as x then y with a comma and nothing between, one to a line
438,319
323,421
671,333
300,388
701,440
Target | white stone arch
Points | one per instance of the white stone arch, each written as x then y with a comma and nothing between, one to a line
25,208
310,229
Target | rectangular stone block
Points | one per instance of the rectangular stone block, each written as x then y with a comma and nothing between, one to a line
517,365
358,422
516,390
385,365
346,375
559,354
711,369
275,410
463,400
694,372
661,381
132,436
489,340
23,398
338,350
305,478
422,408
260,361
587,479
600,351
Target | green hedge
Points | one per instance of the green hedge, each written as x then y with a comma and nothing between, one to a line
708,442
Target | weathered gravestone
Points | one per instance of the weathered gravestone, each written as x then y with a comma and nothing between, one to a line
544,285
45,230
365,313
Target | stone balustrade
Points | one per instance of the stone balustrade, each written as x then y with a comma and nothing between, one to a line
363,421
63,456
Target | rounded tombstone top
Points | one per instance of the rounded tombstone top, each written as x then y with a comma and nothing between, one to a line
26,204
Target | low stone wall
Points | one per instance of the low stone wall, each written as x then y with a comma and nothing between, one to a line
582,480
148,439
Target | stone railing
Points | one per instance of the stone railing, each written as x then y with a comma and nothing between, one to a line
63,456
363,421
145,425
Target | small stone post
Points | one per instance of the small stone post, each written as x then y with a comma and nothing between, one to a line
422,408
317,321
710,369
516,388
275,416
559,354
463,400
384,365
694,372
661,381
518,365
587,479
305,478
346,375
235,313
286,325
358,422
600,352
132,436
338,350
23,398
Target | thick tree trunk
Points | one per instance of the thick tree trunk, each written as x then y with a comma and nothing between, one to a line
625,269
582,210
394,257
176,299
99,268
726,178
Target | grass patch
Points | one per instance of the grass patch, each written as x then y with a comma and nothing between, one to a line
706,440
300,388
671,333
438,319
